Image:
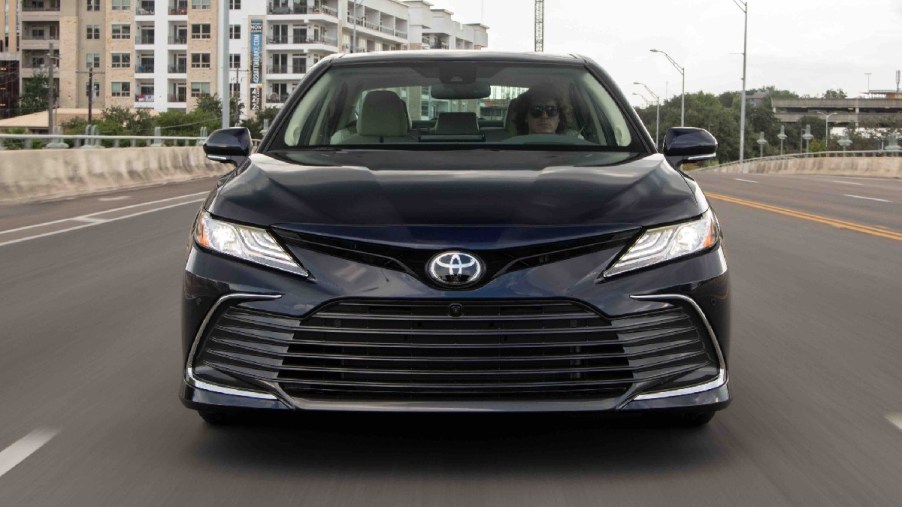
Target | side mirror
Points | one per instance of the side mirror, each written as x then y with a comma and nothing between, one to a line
231,146
688,144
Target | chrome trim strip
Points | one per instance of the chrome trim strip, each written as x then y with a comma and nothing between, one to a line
216,388
722,365
193,381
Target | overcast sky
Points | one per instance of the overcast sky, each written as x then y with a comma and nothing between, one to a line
807,46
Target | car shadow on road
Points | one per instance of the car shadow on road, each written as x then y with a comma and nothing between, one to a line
387,444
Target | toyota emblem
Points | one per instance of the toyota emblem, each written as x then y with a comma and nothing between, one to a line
455,269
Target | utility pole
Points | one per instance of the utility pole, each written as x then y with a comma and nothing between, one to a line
50,93
90,92
540,26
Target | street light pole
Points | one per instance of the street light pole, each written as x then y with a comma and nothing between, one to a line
782,137
224,62
744,7
657,114
683,93
827,130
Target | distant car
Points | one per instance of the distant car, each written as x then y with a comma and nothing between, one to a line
457,231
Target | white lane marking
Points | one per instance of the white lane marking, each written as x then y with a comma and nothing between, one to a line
24,447
117,198
896,420
44,224
747,181
868,198
847,182
92,224
88,219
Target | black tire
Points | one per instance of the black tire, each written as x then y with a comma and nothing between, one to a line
216,418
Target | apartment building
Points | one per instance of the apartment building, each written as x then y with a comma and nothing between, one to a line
163,54
9,58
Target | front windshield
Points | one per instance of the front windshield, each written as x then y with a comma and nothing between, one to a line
464,104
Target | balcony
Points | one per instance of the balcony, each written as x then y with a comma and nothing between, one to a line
377,27
180,97
301,9
181,10
322,39
286,9
277,98
285,69
144,39
40,6
178,39
38,42
181,68
28,36
144,69
146,98
147,9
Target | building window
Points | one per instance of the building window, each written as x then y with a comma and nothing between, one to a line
200,4
235,61
200,31
234,4
93,5
93,32
198,89
121,5
121,31
234,32
96,89
121,60
121,89
200,60
92,60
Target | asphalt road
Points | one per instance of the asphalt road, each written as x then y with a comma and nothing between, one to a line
89,369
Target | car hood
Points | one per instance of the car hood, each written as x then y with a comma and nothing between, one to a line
495,189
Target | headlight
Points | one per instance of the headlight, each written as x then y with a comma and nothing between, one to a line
248,243
665,243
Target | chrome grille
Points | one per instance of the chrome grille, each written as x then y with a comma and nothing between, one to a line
416,350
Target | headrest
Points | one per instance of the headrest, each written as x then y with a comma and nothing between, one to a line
384,114
457,124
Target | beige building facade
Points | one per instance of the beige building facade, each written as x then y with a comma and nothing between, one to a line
163,54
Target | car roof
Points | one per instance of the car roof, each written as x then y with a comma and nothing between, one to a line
438,55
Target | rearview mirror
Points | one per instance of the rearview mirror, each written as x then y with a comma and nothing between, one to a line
231,146
688,144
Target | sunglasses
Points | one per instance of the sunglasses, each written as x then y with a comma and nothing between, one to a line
536,111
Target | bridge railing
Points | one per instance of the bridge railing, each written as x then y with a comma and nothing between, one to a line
797,156
86,141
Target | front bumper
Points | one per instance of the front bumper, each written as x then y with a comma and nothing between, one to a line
213,283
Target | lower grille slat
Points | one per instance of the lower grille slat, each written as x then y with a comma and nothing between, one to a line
488,350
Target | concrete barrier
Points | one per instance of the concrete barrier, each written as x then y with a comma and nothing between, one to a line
31,175
884,167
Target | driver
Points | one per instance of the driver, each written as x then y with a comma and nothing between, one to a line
542,110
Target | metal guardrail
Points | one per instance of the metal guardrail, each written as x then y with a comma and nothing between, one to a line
88,141
819,154
58,141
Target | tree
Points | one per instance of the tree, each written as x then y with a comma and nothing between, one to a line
835,94
255,124
212,105
34,94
